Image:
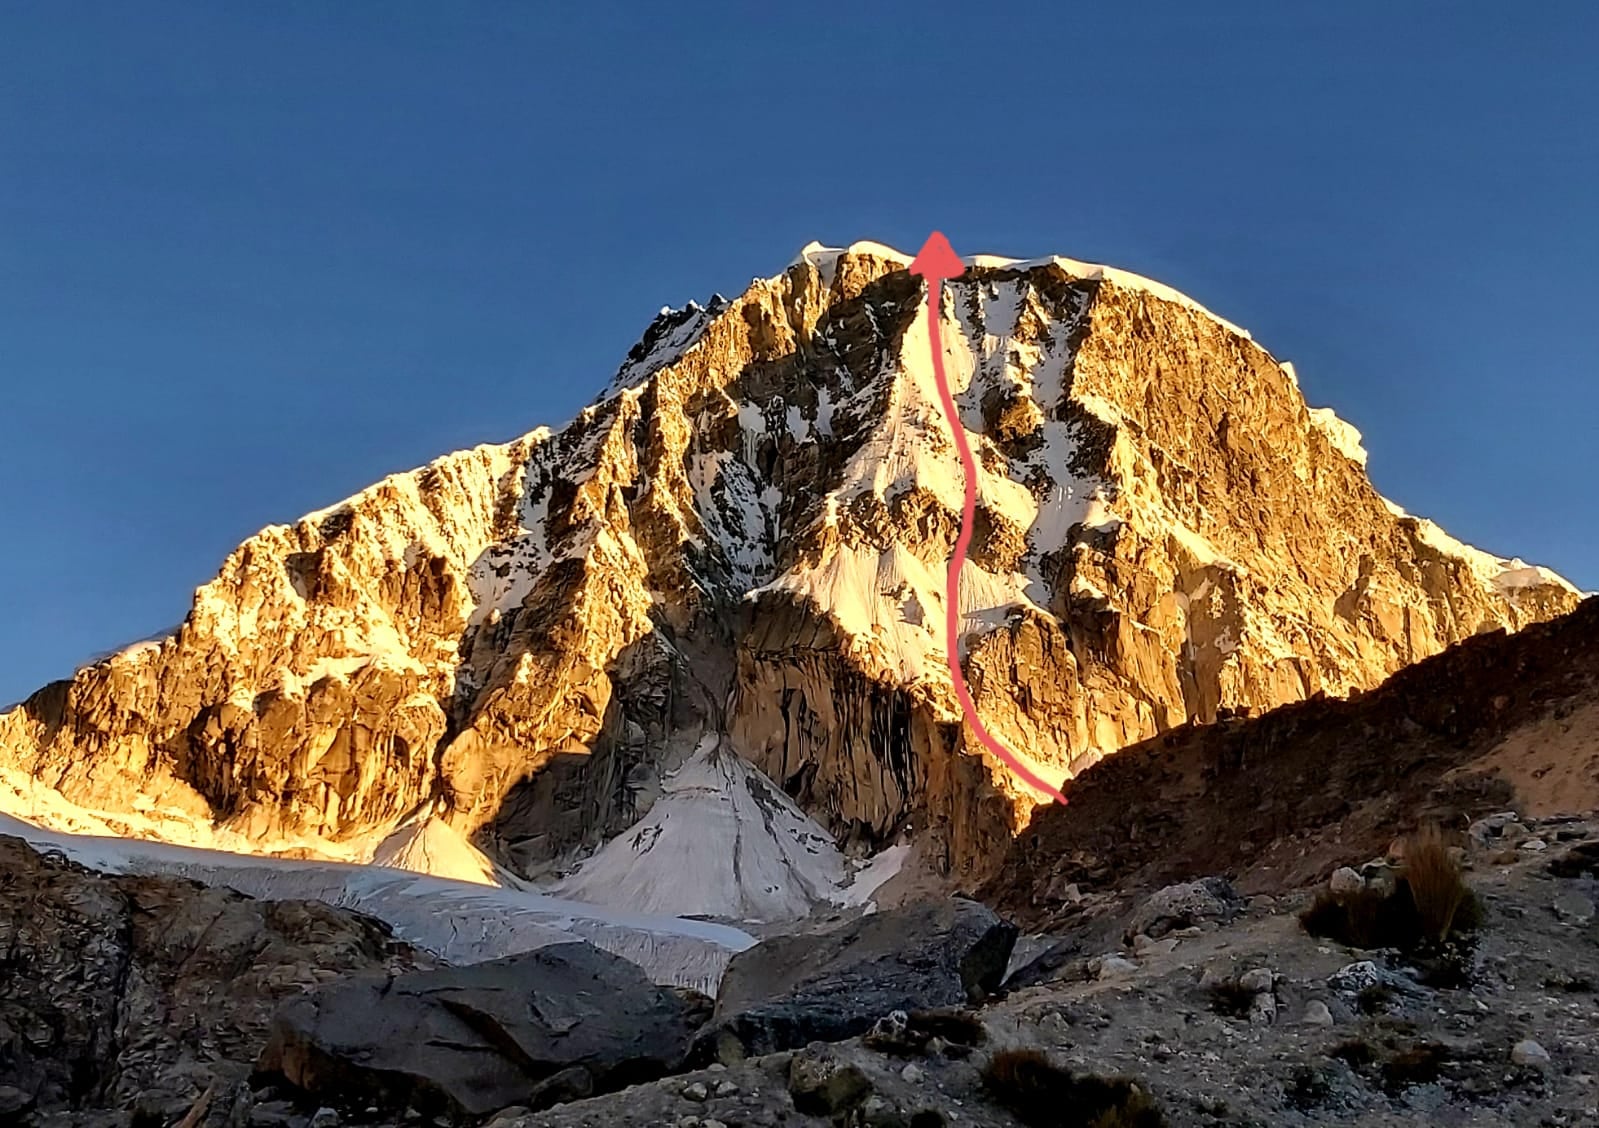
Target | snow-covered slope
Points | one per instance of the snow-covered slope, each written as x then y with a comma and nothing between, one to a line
723,841
1507,576
461,921
432,846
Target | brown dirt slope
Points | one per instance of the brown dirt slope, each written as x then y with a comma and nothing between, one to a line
1276,801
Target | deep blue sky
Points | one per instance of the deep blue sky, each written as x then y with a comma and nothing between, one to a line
255,256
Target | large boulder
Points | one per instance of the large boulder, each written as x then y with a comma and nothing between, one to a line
831,985
558,1023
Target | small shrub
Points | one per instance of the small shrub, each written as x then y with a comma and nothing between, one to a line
1231,999
1044,1095
1364,919
1355,1052
1367,918
1308,1089
1418,1064
1449,965
1374,999
1395,1060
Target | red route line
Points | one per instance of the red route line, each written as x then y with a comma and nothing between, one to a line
936,262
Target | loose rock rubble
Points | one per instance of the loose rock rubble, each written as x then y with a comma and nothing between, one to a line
1241,1021
1368,1044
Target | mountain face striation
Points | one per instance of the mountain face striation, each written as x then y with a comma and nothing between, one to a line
696,636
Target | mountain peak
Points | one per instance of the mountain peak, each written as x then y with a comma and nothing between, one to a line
743,542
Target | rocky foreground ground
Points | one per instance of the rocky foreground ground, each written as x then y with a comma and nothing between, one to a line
143,1001
1250,1021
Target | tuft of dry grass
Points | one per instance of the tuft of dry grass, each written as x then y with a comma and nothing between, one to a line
1044,1095
1429,902
1438,888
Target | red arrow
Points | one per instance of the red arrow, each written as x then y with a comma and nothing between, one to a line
936,262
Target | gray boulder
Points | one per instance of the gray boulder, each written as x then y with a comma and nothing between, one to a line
1182,906
830,985
1530,1053
534,1029
1060,960
1346,880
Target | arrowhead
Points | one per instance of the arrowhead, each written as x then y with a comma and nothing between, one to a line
937,260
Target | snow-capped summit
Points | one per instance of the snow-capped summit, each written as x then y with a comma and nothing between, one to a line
700,627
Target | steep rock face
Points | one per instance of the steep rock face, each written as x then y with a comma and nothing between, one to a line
747,537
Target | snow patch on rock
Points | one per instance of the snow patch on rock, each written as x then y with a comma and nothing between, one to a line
826,258
432,846
672,334
1507,576
1343,436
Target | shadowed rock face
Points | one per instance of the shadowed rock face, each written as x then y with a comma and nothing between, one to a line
747,537
122,989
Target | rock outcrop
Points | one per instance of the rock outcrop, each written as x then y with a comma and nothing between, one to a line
148,992
745,539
